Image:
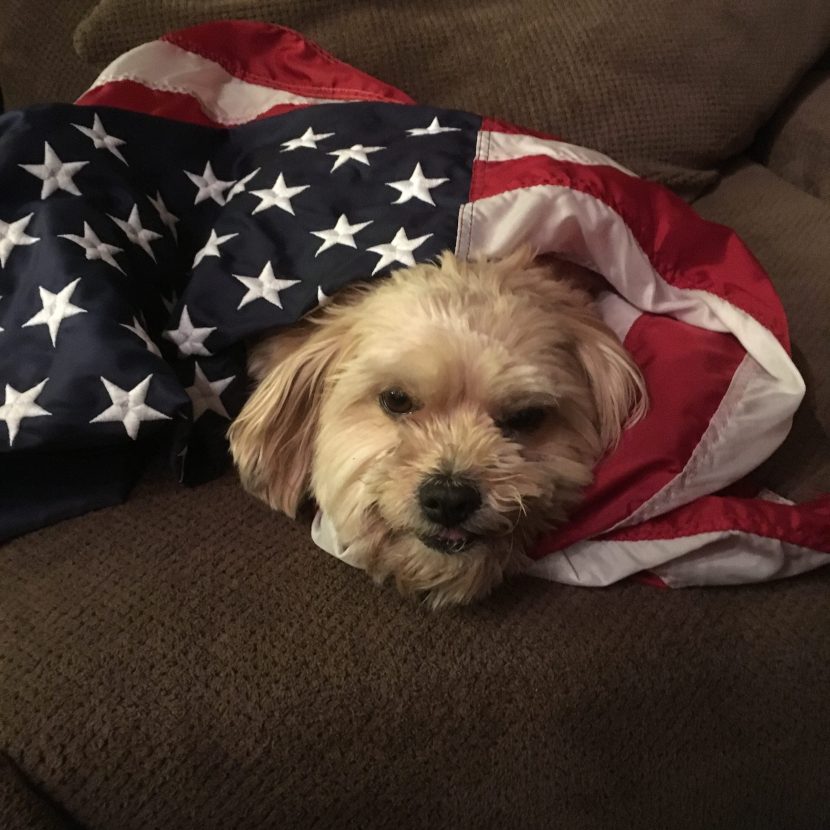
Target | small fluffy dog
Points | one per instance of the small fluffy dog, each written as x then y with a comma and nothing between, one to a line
442,418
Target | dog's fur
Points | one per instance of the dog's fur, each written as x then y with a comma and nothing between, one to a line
471,343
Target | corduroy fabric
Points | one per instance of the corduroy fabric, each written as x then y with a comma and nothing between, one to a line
670,88
796,142
37,61
189,660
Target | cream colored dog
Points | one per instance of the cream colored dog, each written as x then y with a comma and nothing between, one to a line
442,418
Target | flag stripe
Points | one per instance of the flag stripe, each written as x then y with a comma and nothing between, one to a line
274,56
687,252
167,69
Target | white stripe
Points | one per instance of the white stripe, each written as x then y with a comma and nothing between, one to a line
739,437
716,558
223,98
495,146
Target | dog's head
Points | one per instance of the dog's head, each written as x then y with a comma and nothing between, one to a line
442,418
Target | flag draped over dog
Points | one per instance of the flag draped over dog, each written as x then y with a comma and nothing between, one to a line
230,178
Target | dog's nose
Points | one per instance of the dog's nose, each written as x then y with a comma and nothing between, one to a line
448,501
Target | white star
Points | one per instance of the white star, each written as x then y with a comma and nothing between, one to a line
416,187
279,195
56,308
167,218
357,152
322,297
93,247
266,286
239,185
341,234
137,234
128,407
205,394
189,339
308,139
209,186
56,174
398,250
12,234
100,138
433,129
211,247
20,405
137,329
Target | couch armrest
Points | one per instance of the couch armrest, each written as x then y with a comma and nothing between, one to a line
795,144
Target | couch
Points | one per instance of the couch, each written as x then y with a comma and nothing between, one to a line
189,660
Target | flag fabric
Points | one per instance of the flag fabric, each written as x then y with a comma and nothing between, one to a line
230,178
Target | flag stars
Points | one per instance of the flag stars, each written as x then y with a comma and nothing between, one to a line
54,173
434,128
308,139
205,395
211,247
13,234
341,234
137,329
398,250
417,186
266,287
100,138
165,217
93,247
56,308
241,185
357,152
279,195
209,187
136,233
188,338
19,405
129,407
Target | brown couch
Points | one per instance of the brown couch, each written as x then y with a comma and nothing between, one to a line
189,660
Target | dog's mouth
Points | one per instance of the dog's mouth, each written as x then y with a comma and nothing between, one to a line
450,540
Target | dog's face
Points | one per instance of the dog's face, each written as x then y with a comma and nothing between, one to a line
442,418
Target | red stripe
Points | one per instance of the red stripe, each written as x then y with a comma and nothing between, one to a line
806,525
177,106
278,57
687,251
649,578
687,372
129,95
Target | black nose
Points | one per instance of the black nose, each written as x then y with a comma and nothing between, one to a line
448,501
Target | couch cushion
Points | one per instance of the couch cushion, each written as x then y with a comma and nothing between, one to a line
37,61
670,89
188,660
789,231
795,144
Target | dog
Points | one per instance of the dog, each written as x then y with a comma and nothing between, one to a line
442,418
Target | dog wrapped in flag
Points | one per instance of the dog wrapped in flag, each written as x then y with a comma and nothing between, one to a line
227,180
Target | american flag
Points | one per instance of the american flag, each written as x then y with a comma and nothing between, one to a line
229,179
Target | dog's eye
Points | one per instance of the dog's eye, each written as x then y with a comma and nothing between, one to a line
396,402
525,420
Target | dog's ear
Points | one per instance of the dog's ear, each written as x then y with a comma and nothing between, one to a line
272,439
617,385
